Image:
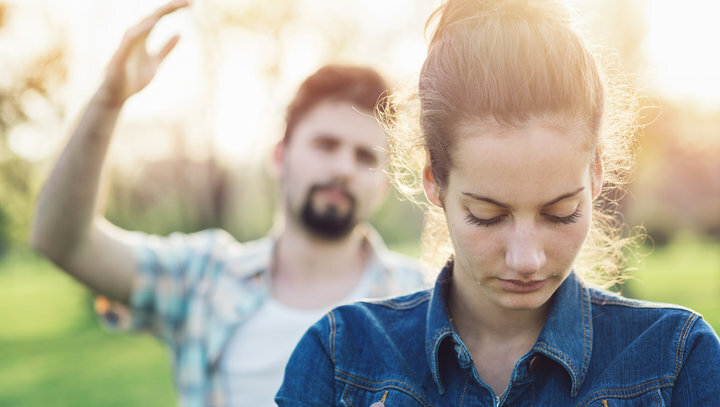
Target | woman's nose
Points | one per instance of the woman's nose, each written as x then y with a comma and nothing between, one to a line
525,251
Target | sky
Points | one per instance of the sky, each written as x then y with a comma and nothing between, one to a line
225,89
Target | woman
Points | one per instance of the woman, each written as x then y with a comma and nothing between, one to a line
523,156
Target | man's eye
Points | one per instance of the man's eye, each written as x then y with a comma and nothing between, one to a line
367,157
325,144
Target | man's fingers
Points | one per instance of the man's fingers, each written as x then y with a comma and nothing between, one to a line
138,32
172,42
141,30
170,7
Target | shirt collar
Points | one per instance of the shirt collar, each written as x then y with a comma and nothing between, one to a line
438,325
566,336
252,259
380,266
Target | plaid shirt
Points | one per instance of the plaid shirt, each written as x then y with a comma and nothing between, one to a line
193,291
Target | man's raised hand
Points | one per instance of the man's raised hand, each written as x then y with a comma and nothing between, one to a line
131,67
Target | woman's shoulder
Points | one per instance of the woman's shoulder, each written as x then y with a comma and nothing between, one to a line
644,346
612,311
385,308
609,300
389,318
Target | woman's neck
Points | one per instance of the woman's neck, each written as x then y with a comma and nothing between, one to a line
496,337
476,318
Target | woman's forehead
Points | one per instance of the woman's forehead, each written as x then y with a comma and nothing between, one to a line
535,159
492,126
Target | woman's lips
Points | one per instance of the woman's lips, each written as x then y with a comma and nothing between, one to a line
518,286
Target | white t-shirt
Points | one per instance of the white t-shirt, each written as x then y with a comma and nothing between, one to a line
253,364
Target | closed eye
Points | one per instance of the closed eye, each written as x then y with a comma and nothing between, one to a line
474,220
565,220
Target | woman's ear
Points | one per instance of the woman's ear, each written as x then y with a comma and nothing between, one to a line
596,172
432,190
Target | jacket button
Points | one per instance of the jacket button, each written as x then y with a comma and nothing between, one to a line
377,404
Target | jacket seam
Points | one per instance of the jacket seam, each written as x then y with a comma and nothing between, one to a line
585,335
617,392
465,387
331,321
684,332
658,398
604,300
393,304
409,390
560,355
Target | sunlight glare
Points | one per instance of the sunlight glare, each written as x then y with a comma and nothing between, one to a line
681,44
240,101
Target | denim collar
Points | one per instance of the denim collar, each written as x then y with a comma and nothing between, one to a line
566,337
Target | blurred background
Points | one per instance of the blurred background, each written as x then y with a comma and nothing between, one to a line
191,153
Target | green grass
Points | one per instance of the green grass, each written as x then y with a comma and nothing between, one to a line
54,353
685,272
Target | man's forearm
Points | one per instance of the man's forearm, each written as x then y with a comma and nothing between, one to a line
66,228
68,202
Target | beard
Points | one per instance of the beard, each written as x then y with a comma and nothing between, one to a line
328,222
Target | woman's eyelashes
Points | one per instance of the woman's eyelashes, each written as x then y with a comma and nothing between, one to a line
563,220
474,220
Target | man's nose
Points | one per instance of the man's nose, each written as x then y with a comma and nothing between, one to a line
342,164
525,251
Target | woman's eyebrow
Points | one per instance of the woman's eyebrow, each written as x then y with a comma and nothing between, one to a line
563,196
485,199
506,206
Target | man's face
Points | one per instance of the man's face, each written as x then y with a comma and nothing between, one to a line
332,169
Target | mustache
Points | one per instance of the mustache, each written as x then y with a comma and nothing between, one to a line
332,185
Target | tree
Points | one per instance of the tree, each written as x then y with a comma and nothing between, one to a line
30,79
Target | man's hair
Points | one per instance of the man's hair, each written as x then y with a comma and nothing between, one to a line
363,87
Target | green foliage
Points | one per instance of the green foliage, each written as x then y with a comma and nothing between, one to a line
4,238
25,82
16,202
685,272
175,195
399,221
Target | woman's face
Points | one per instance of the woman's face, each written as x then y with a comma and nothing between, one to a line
518,205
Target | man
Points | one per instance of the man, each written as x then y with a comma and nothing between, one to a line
230,312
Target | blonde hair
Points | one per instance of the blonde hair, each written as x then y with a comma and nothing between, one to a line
510,62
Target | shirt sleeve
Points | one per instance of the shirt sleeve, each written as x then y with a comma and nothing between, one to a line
698,381
309,375
168,270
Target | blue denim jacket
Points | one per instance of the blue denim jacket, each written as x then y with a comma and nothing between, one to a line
595,349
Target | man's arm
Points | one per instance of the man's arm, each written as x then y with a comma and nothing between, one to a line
68,226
